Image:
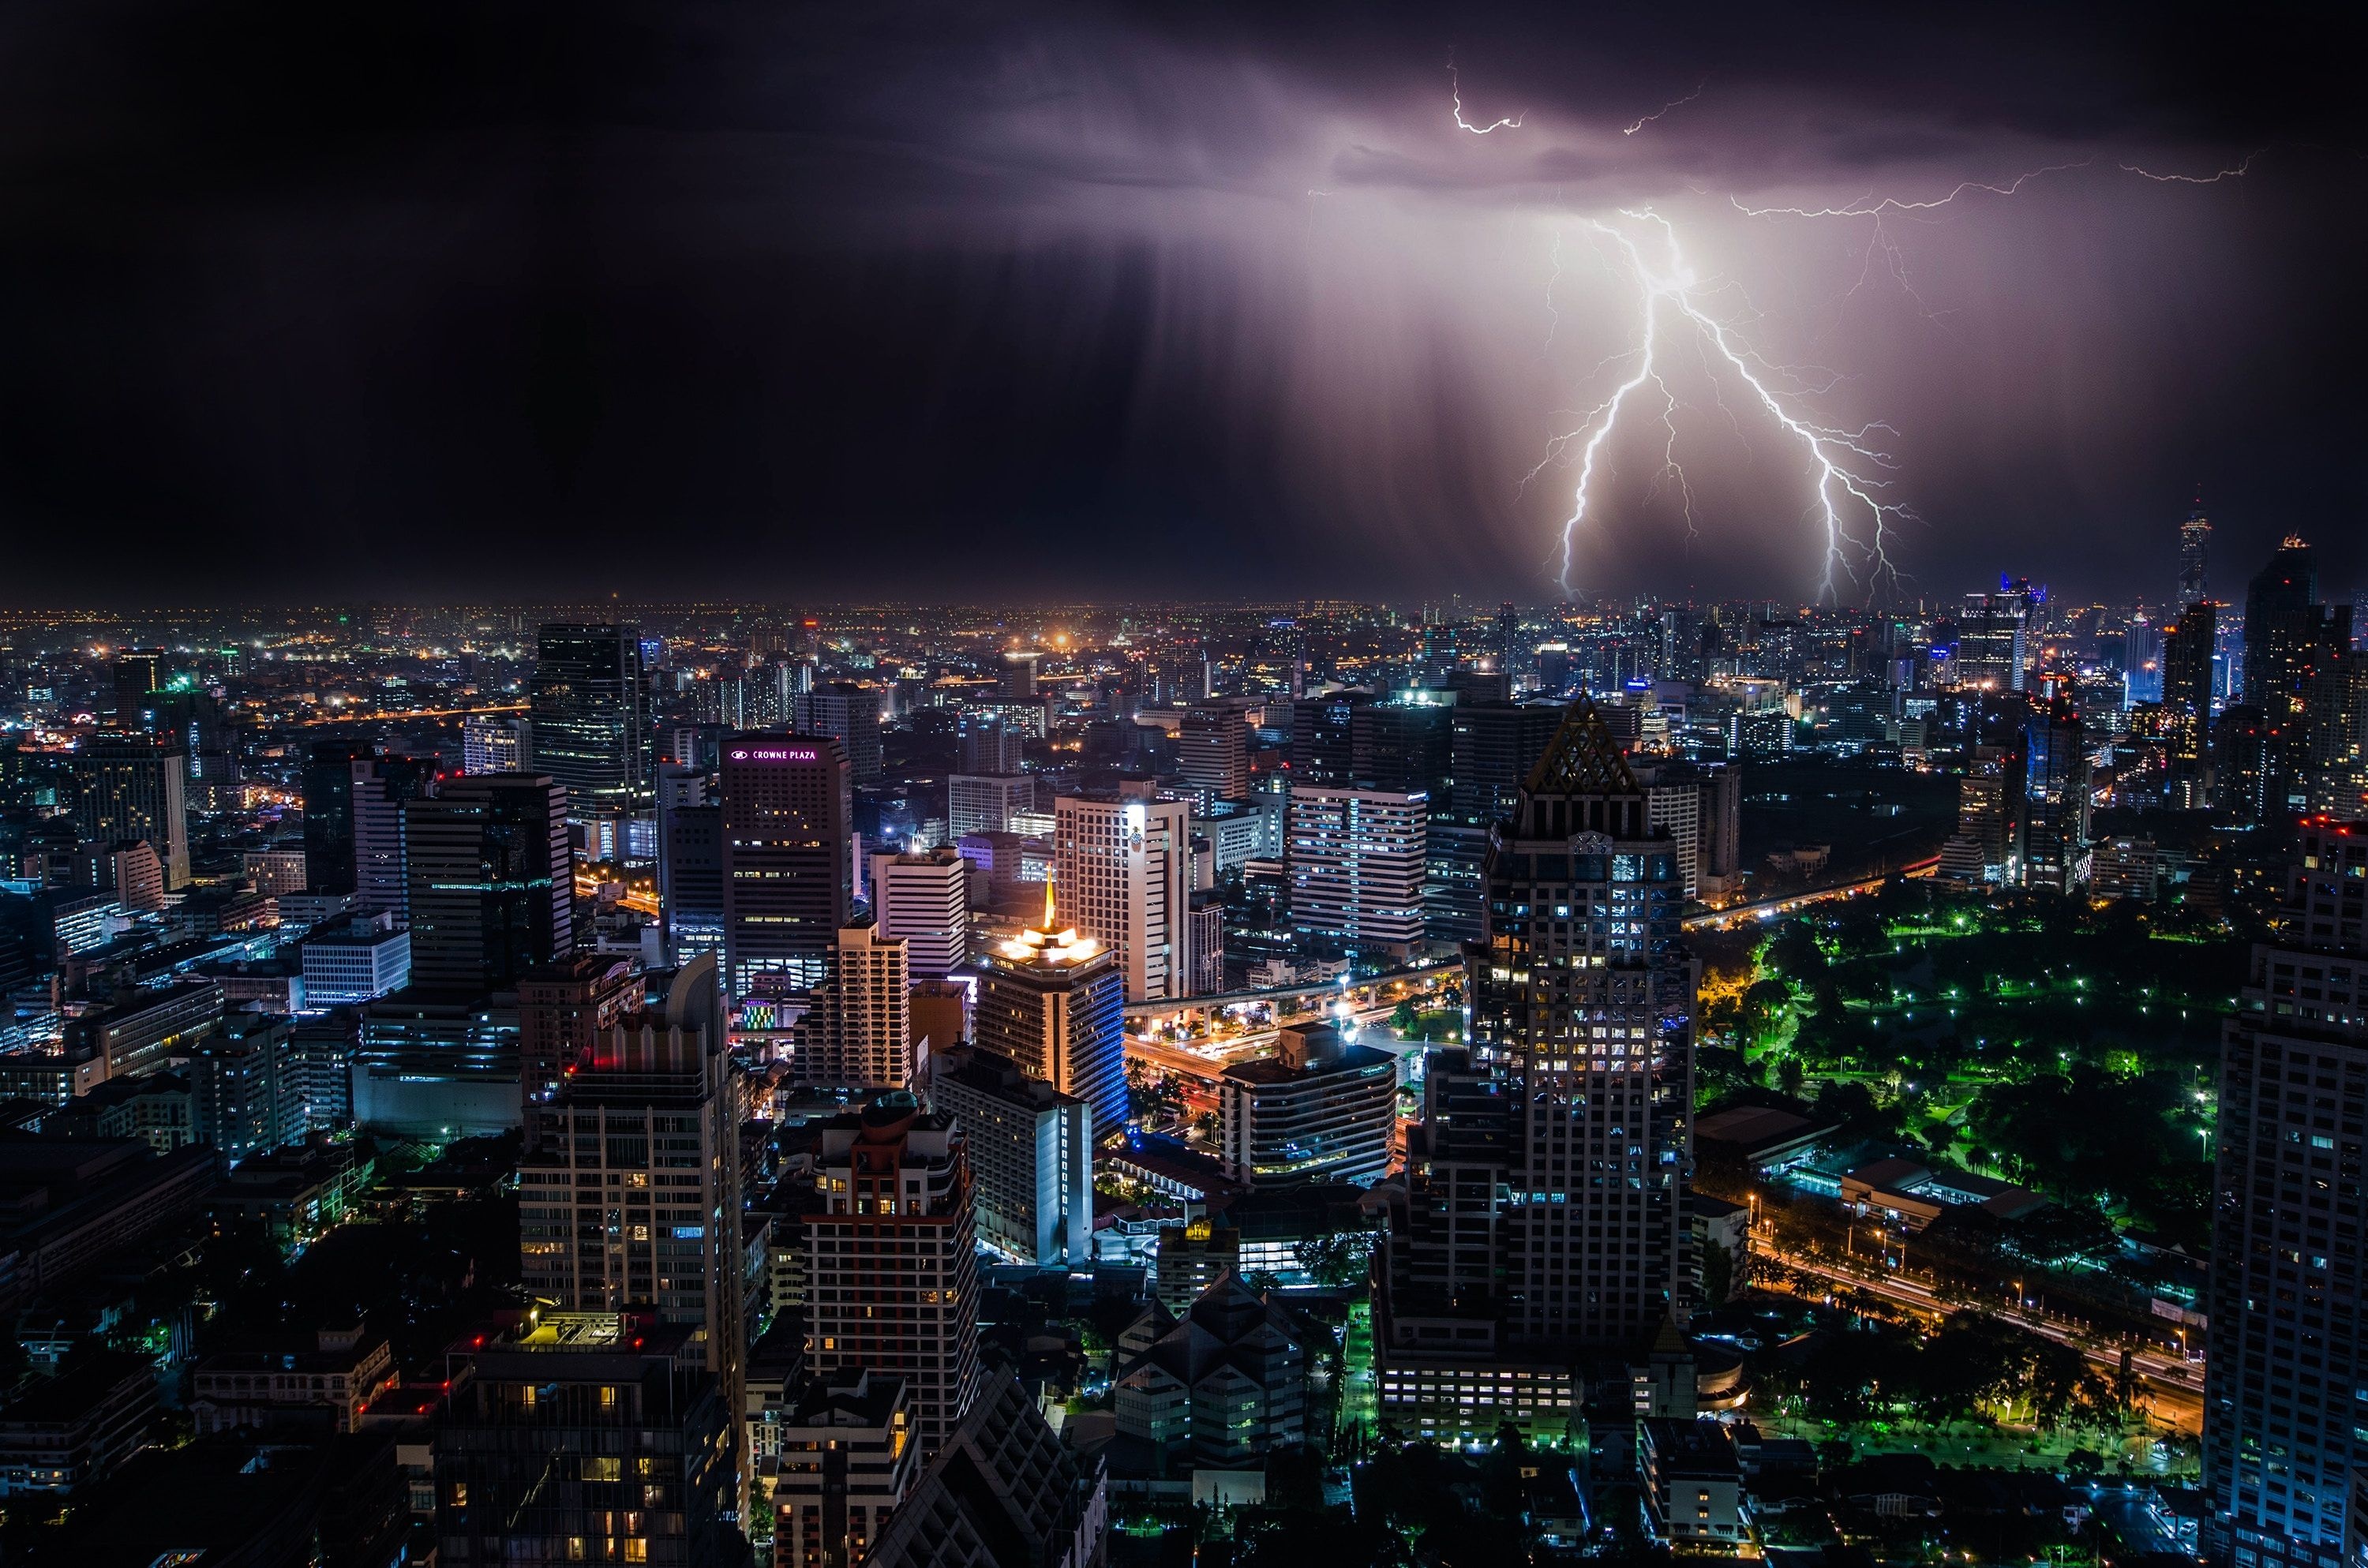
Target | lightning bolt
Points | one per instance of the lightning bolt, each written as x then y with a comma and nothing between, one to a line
1455,93
2237,171
1674,103
1866,208
1847,494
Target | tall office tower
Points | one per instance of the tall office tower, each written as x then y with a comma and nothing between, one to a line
328,787
2055,798
1508,637
629,1188
922,900
590,719
1323,738
2283,1458
131,787
491,743
787,889
1491,748
1032,1156
2290,639
2335,717
858,1032
1720,829
2246,778
1357,860
137,673
1213,752
1993,631
493,890
1122,870
850,714
383,787
1545,1225
1019,676
2187,702
566,1433
892,1258
690,864
1319,1109
977,802
2195,547
2141,662
1055,1002
1404,744
564,1009
987,745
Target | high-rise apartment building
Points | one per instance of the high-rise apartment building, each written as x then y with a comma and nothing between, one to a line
849,714
985,802
922,900
1123,872
846,1459
2284,1453
1323,738
131,787
1992,631
383,787
492,742
1213,752
858,1032
589,713
1055,1002
785,824
492,887
565,1010
986,743
1545,1225
892,1268
1357,860
1030,1151
629,1188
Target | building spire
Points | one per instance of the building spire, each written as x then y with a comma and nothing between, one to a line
1048,926
1583,759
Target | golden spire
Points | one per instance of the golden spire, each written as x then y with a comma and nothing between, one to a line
1048,905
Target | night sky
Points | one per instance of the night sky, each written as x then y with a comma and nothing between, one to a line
344,302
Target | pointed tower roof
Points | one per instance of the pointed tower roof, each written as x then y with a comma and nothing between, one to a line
1583,759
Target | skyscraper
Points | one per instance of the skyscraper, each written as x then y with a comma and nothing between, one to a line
590,713
1123,874
2187,702
2283,1445
382,786
858,1033
1213,752
328,786
1357,860
2290,640
849,714
131,787
690,864
2194,546
566,1009
1545,1226
985,802
786,860
630,1183
892,1269
921,899
1054,1001
491,743
2055,798
493,890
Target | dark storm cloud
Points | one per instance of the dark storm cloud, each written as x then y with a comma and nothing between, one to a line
859,300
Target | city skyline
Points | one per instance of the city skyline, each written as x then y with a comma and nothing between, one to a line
769,290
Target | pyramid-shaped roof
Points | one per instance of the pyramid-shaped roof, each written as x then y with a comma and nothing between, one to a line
1583,759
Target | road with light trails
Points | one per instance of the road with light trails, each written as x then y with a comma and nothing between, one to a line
2176,1387
1768,908
1219,1054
